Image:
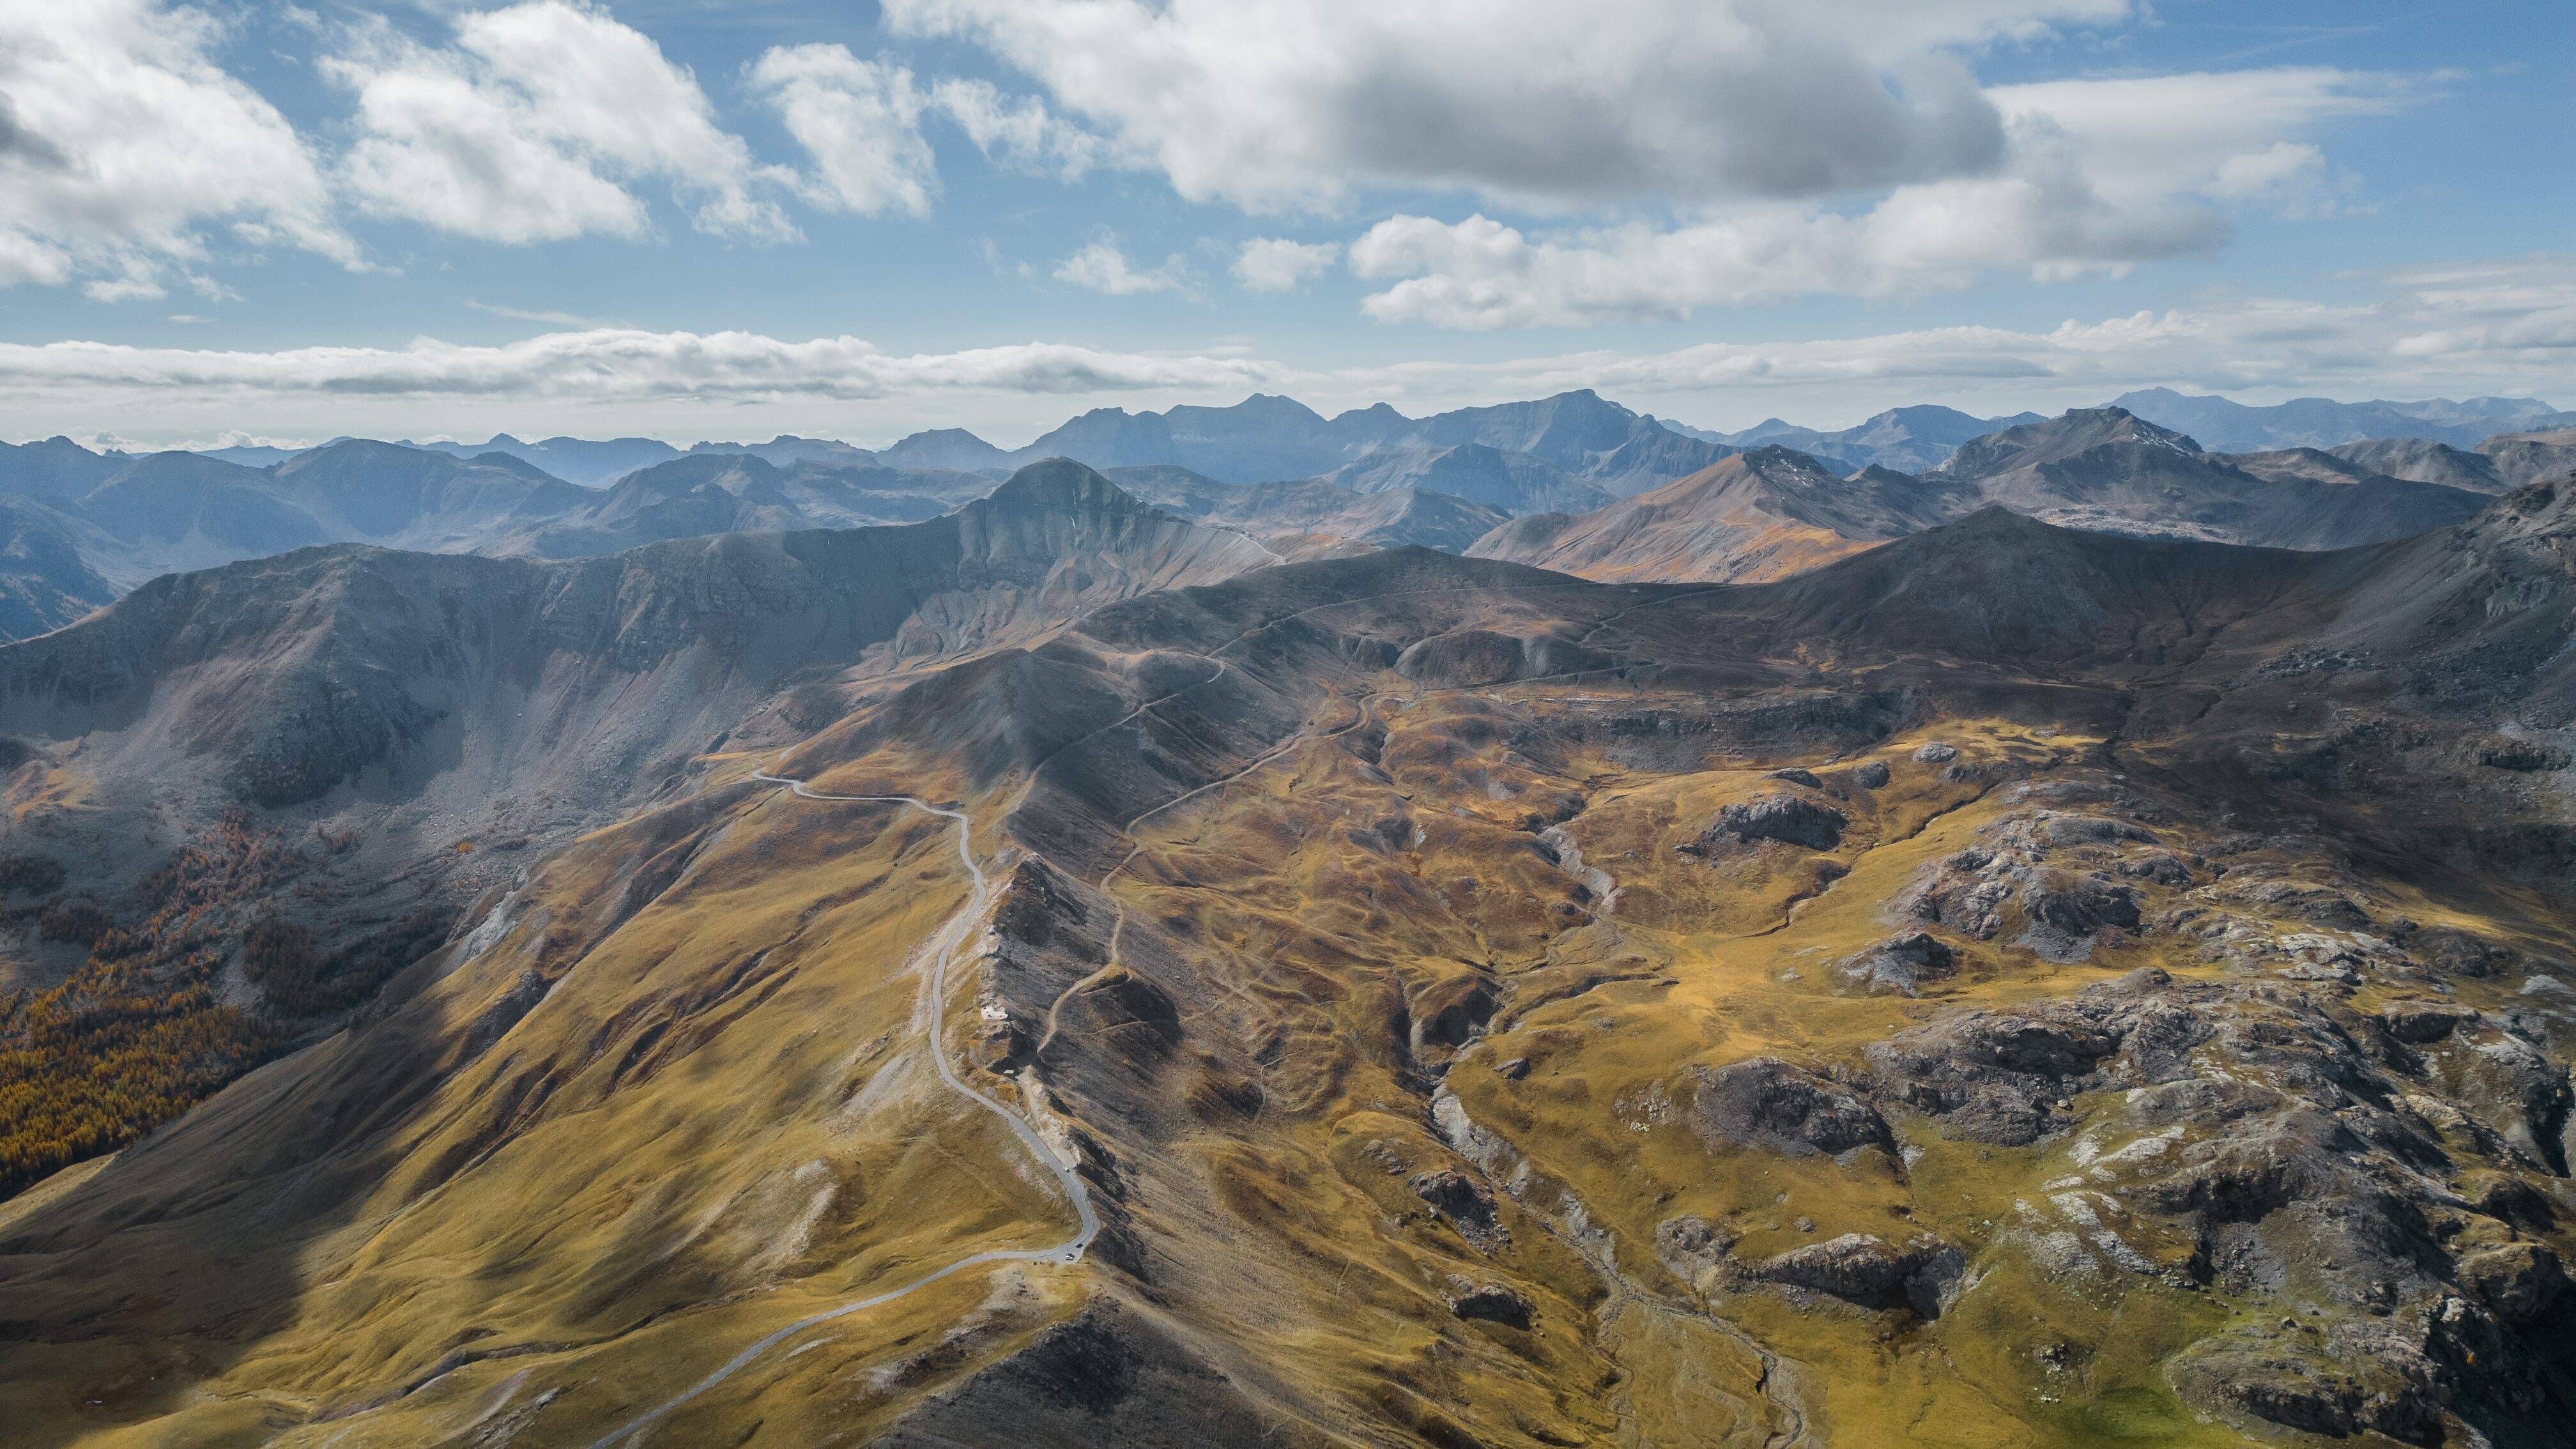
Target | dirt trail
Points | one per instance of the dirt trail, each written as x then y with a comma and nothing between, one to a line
943,947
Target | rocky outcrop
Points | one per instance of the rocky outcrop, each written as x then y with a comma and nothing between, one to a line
1491,1303
1107,1375
2518,1282
1464,1204
1768,1103
1898,966
2303,1150
1787,818
1922,1275
2068,879
2006,1078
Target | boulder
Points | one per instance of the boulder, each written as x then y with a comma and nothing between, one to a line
1936,753
1797,776
1871,775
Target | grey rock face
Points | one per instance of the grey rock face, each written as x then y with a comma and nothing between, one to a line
1769,1103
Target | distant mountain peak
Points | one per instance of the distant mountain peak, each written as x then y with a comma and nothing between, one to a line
2318,422
1058,483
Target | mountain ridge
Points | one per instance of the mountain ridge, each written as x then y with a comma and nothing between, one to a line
1371,932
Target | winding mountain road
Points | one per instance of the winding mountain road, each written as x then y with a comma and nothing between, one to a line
943,946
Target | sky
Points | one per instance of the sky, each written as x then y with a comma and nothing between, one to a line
229,222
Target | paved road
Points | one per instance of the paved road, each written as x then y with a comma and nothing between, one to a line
943,947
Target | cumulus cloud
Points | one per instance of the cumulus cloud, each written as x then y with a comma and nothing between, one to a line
126,152
1274,264
1102,267
535,125
1276,104
861,122
2098,177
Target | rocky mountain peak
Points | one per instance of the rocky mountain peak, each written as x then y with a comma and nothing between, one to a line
1057,484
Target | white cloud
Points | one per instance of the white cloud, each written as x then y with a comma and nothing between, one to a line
2505,327
1276,104
1274,264
1102,267
125,150
2145,138
236,438
522,314
605,364
2496,327
534,125
861,122
2097,177
1018,131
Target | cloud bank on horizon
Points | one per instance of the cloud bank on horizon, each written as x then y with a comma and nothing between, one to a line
1722,206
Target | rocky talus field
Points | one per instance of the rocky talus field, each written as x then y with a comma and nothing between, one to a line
2005,986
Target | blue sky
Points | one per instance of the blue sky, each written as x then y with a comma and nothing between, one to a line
734,219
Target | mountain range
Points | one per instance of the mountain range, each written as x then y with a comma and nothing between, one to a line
2316,422
1774,511
1272,439
1905,440
1051,973
81,527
